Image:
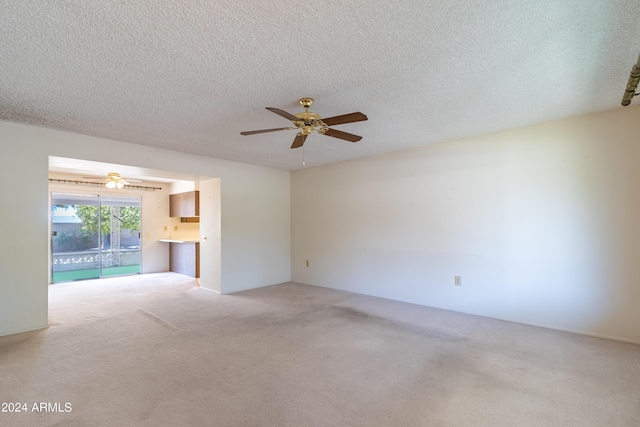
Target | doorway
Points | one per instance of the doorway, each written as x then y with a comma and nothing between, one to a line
94,236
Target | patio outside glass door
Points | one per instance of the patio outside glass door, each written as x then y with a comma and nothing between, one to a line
120,225
94,236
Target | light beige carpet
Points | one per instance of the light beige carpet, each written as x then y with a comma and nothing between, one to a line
154,350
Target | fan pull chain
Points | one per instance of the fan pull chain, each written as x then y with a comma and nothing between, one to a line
303,164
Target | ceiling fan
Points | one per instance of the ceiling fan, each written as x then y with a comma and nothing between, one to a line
113,180
307,122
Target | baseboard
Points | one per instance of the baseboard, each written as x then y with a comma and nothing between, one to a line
577,332
248,288
19,331
588,334
209,290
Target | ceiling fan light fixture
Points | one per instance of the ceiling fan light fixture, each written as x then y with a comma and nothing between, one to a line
115,181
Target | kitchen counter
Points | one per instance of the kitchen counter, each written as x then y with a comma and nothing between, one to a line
180,240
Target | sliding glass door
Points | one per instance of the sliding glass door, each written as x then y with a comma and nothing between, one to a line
94,236
120,219
75,237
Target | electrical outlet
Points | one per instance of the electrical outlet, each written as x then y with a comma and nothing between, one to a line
165,228
457,280
175,228
307,263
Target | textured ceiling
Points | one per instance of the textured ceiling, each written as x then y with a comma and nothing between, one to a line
189,76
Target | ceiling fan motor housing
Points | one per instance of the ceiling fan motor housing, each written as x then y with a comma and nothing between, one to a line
309,122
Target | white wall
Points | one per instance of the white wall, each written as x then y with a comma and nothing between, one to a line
542,223
255,214
155,215
182,187
209,229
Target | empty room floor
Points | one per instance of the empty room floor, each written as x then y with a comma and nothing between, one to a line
156,350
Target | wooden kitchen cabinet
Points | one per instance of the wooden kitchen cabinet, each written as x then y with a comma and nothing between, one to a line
184,258
184,204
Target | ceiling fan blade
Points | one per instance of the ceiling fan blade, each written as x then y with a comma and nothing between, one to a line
252,132
283,114
345,118
107,178
299,141
342,135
